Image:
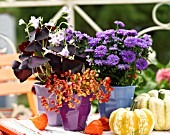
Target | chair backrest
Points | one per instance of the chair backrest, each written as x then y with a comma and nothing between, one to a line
9,84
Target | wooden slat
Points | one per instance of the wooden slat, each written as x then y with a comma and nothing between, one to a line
15,87
7,74
7,59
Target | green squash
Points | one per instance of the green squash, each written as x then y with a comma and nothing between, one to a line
158,102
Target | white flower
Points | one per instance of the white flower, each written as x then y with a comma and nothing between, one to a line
34,22
54,39
46,50
50,24
69,83
21,21
64,52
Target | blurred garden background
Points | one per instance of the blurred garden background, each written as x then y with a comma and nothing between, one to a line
135,16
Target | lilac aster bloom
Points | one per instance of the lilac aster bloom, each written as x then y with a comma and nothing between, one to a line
98,62
119,23
109,32
113,48
128,56
131,32
123,66
121,32
105,42
101,34
117,39
142,43
141,64
147,39
69,34
100,51
112,60
79,35
130,41
93,41
89,50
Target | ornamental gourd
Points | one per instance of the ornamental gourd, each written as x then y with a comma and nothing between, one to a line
159,103
131,121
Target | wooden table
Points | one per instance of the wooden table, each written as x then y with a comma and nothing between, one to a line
26,127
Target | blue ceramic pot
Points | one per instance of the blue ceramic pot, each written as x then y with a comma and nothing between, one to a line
121,97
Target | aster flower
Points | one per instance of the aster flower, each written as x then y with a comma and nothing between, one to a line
100,51
112,60
141,64
93,41
130,41
98,62
128,56
142,43
119,23
118,53
123,66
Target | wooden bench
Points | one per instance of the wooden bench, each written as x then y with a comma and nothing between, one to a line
9,84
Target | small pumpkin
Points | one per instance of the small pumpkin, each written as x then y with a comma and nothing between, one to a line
131,121
159,103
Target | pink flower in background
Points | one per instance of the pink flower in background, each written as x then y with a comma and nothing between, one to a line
163,74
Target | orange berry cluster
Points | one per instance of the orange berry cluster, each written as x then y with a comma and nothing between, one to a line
81,84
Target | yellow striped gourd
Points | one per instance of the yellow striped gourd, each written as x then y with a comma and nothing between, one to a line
158,102
131,121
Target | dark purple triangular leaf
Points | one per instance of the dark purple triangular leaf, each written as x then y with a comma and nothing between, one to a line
24,64
42,34
74,65
56,48
79,53
23,46
55,62
34,46
15,64
24,56
71,49
36,61
22,75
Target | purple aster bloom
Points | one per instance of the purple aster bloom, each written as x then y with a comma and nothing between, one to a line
128,56
113,48
100,51
98,62
109,32
117,39
112,60
69,34
147,39
141,64
105,42
121,32
119,23
130,41
90,62
123,66
142,43
86,36
104,62
131,32
93,41
89,50
101,34
79,35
